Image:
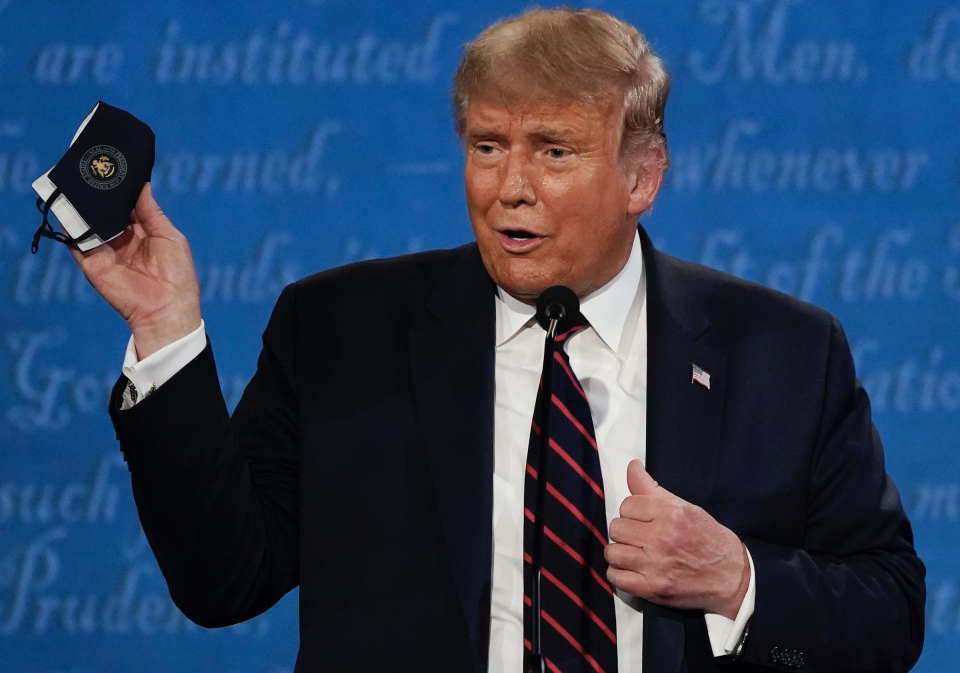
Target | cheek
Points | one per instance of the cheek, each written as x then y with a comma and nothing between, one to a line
591,183
481,187
586,208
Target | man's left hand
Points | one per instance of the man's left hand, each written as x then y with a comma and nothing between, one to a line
673,553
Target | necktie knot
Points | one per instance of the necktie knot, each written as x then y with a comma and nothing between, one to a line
578,326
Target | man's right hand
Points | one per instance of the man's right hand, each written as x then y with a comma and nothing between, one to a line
146,274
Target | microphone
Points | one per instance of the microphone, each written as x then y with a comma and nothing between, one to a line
558,308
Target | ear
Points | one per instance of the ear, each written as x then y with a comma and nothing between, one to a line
645,180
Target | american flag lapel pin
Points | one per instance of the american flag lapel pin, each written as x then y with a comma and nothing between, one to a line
701,377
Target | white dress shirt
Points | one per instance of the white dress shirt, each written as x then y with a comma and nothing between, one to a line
610,360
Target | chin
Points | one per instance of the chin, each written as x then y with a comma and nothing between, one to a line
527,290
524,278
523,293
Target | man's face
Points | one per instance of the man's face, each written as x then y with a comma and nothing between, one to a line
549,202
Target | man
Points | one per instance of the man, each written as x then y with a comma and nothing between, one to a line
378,457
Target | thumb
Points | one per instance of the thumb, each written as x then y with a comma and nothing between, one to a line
639,480
148,214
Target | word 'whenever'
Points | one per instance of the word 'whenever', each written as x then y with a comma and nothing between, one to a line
729,166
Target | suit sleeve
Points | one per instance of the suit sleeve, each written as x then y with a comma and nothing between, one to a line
218,497
852,598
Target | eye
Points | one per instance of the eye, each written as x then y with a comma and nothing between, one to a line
485,149
557,153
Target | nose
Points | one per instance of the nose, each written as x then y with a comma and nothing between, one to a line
517,184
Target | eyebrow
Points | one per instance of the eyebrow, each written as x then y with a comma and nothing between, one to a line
542,133
561,135
484,134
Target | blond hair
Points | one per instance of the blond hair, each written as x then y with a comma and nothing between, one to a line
574,55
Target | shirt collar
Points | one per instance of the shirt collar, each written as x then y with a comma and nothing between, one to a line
606,309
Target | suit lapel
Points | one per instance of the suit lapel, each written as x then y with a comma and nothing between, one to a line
452,361
683,419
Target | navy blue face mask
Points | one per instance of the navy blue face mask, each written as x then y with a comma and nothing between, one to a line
101,175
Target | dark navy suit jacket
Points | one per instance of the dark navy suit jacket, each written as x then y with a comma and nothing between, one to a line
359,465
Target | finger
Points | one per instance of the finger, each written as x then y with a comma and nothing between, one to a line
90,259
640,508
77,256
617,555
149,215
630,532
638,480
631,581
626,556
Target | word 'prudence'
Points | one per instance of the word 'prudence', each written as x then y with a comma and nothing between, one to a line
33,600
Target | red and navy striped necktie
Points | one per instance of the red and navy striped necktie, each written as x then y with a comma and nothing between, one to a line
578,624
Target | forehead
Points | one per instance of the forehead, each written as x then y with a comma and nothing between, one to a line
597,118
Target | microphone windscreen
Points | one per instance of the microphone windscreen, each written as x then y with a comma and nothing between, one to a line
558,303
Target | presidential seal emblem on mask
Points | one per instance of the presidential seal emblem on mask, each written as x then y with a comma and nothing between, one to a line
103,167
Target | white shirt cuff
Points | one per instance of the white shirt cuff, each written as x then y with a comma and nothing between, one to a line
725,633
156,369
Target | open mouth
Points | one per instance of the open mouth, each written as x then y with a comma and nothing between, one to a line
519,240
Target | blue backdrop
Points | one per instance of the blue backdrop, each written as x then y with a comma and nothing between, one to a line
815,149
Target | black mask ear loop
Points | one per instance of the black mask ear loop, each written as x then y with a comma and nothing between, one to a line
45,230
